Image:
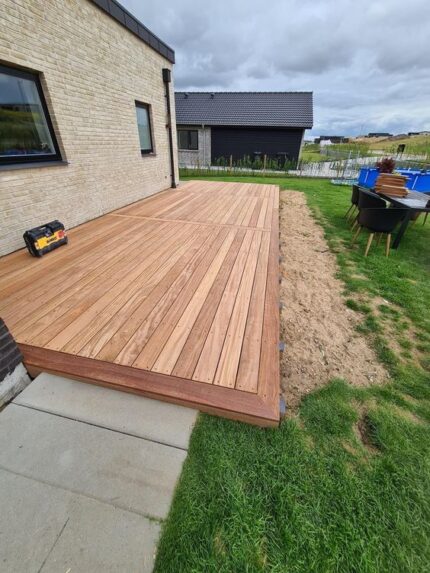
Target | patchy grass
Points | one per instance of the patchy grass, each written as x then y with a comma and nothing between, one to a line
344,485
415,144
312,156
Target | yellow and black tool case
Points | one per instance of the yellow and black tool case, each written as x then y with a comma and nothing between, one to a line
45,238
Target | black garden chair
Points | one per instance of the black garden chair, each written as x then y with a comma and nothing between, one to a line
367,200
417,214
378,220
354,203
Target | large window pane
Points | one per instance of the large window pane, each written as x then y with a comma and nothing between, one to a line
188,139
144,127
183,139
24,130
194,144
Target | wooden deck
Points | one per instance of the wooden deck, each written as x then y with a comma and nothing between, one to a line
174,297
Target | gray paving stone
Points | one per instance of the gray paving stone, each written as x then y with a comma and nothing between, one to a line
135,415
47,529
125,471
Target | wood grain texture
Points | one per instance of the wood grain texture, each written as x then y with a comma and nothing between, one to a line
233,404
175,297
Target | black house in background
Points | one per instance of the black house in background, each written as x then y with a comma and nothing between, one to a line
214,126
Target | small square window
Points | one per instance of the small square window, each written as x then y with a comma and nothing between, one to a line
26,130
188,139
144,127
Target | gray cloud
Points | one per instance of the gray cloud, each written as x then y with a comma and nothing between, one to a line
366,61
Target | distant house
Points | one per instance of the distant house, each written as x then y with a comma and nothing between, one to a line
379,134
83,113
214,127
329,139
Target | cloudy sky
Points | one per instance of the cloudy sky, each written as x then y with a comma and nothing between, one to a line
367,61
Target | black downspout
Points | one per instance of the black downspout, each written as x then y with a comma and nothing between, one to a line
167,80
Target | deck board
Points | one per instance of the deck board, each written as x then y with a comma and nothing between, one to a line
175,297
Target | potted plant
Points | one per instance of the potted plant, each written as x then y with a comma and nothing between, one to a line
386,165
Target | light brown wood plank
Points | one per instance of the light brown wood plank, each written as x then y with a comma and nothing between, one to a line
155,344
71,280
269,213
233,205
144,322
208,361
151,205
68,255
127,341
142,278
167,358
247,376
81,301
269,368
31,309
230,355
189,356
143,318
262,215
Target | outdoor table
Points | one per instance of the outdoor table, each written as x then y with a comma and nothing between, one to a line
413,202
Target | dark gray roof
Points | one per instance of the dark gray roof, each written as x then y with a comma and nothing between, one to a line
269,109
124,17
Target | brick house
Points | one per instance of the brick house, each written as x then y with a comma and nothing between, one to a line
84,113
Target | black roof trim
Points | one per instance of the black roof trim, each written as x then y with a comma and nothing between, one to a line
243,92
124,17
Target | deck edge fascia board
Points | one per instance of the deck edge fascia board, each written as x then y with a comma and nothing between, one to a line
234,404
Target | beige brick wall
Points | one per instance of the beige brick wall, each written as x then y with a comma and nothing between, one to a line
93,69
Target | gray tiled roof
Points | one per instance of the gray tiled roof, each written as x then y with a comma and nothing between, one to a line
268,109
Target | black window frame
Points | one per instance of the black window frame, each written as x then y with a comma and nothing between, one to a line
146,106
189,148
37,158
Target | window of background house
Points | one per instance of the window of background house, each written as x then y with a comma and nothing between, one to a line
26,130
188,139
144,127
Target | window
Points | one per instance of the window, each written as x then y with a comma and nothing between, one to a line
188,139
144,127
26,130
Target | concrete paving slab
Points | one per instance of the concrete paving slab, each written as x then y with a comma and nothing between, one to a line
45,529
128,413
30,521
125,471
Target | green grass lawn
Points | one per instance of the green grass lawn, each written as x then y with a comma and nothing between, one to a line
312,156
343,486
417,144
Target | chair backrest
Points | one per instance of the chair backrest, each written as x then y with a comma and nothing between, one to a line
380,220
368,200
354,195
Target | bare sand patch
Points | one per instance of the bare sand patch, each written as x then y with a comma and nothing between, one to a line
319,330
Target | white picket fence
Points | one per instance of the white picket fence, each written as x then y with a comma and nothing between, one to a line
347,169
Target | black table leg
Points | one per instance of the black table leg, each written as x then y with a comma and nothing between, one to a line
402,229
